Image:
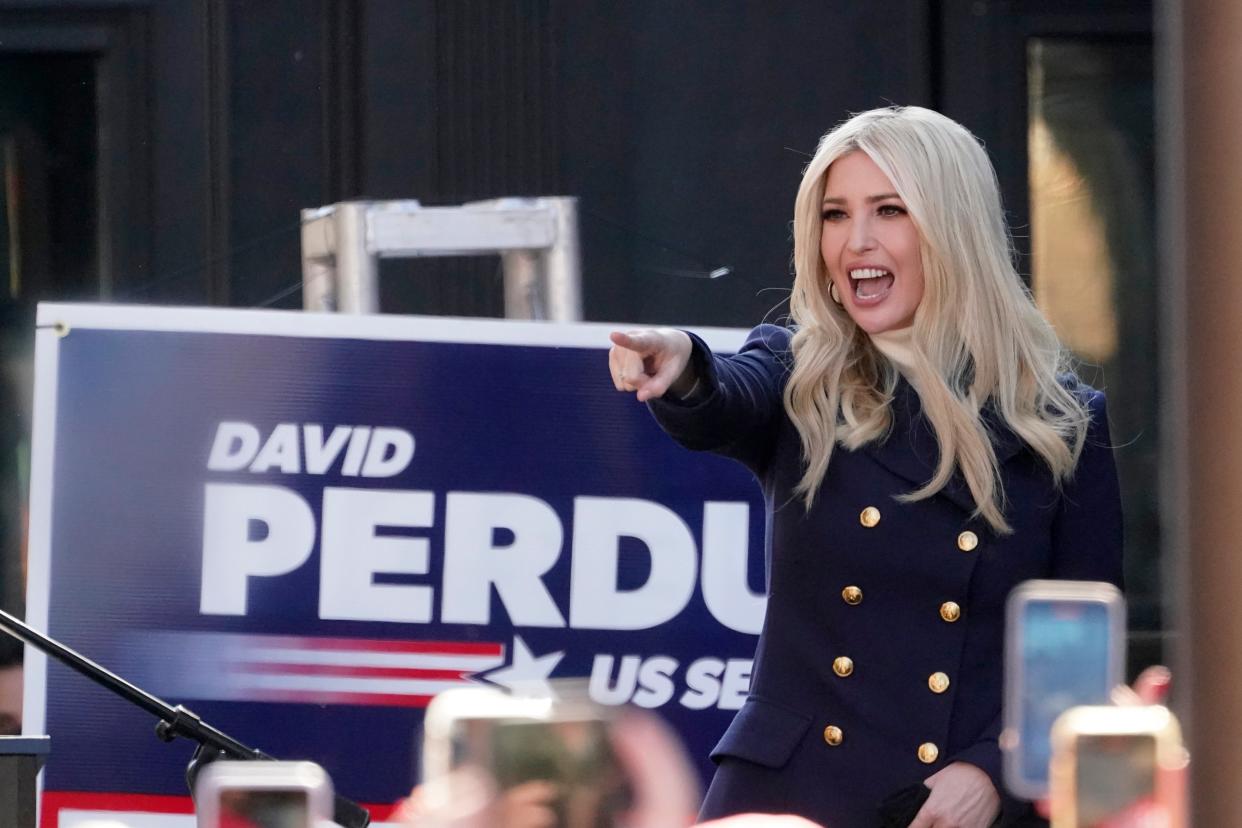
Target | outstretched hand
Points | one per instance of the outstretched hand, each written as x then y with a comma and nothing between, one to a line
651,361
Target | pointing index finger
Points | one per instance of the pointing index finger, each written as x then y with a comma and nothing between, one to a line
634,341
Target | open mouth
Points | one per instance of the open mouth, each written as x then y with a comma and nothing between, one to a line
870,284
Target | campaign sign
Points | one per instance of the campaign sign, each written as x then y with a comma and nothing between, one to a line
304,526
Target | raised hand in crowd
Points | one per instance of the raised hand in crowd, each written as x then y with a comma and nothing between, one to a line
664,789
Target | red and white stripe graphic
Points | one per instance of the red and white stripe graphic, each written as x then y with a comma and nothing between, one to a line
355,671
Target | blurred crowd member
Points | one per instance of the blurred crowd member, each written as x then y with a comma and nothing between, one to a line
662,789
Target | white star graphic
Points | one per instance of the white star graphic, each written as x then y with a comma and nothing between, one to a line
526,675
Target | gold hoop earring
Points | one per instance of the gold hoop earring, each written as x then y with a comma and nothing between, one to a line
832,291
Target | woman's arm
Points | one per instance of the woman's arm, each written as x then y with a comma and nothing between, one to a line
727,405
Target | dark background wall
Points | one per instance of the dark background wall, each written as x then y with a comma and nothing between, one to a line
682,127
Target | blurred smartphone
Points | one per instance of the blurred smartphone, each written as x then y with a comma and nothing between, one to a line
263,794
1112,768
1064,648
562,739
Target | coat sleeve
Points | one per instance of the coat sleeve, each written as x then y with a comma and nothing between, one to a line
1086,546
1087,531
737,401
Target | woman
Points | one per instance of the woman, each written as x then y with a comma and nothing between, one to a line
920,452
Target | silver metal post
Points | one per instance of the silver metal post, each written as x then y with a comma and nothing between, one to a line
357,268
318,260
563,263
523,285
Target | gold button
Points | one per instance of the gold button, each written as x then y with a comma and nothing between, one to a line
852,595
869,517
967,541
928,753
843,666
833,735
950,611
938,682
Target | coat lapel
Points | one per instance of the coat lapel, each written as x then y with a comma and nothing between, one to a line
911,451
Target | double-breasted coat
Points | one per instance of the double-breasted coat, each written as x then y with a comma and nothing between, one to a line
880,659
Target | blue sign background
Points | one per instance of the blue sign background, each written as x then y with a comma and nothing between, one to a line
137,412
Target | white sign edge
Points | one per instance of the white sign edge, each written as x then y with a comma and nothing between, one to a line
39,538
66,317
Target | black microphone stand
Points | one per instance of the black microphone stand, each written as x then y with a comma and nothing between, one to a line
173,721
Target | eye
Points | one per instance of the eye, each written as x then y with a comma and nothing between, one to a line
833,214
891,210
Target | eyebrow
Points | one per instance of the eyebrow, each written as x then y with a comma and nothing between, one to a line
869,199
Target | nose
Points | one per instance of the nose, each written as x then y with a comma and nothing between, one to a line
861,239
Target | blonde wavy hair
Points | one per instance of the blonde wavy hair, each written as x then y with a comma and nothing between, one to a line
978,338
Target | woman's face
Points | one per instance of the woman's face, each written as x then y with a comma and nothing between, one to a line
870,245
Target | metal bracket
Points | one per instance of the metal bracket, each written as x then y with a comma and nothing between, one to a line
536,238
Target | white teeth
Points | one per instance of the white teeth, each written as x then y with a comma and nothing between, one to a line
868,273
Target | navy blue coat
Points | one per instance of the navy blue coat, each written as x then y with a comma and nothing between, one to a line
911,594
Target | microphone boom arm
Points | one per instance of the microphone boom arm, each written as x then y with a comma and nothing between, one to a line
174,721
